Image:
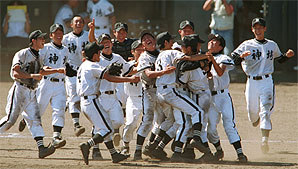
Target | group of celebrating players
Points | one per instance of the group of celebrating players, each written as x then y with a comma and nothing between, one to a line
180,92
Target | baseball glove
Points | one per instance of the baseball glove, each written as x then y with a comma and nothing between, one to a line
115,69
70,72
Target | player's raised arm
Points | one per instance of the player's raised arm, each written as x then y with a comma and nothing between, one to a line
91,34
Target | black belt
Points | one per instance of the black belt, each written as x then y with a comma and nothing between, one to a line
29,87
150,86
54,79
109,92
86,97
98,27
258,77
217,92
139,96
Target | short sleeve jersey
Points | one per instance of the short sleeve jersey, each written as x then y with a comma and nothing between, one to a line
165,58
54,57
222,82
75,44
196,80
100,11
65,12
261,60
146,61
88,78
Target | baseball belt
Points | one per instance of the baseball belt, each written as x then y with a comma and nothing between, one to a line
217,92
259,77
103,27
54,79
29,87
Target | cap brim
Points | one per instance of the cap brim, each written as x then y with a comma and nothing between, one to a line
42,35
118,29
173,36
145,32
180,42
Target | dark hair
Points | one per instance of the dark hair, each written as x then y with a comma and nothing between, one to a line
194,49
16,1
77,16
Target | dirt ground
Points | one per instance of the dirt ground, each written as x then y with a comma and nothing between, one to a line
19,150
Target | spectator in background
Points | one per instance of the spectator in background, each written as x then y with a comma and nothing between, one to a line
16,32
222,20
65,14
103,13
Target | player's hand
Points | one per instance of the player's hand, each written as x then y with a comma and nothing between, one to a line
182,58
61,70
245,53
91,25
36,76
290,53
134,79
169,69
210,57
7,16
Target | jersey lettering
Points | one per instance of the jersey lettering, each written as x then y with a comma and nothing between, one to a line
256,54
53,58
270,54
98,13
72,48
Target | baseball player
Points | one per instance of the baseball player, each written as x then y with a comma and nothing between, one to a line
103,13
75,42
222,105
167,93
26,72
134,101
89,76
256,57
197,83
151,109
186,27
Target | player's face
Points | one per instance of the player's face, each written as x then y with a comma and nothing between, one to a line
77,25
96,57
148,42
187,30
107,46
259,31
214,46
120,35
38,43
57,37
170,44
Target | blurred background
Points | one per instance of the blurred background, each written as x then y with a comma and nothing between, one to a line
166,15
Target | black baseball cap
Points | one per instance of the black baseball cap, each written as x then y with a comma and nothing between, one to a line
36,34
136,44
91,48
119,25
184,23
145,32
162,37
260,21
55,27
189,40
198,38
218,38
102,37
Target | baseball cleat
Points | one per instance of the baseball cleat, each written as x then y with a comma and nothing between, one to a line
265,147
85,152
198,145
117,157
22,125
96,154
79,130
137,155
116,139
189,153
46,151
177,158
206,158
219,155
125,150
242,158
159,154
58,142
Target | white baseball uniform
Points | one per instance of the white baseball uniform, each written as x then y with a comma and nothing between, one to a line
100,11
221,102
166,87
64,13
151,108
51,88
134,109
258,67
108,97
88,83
22,95
75,44
198,85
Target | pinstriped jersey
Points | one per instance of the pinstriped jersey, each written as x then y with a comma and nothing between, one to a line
54,57
88,78
196,80
165,58
260,62
75,44
221,82
104,62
